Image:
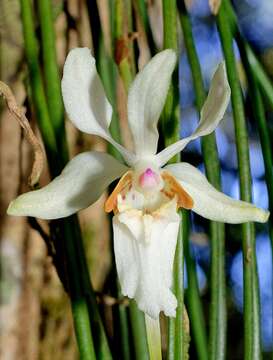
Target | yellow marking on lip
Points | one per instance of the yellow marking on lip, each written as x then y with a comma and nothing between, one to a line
172,188
111,202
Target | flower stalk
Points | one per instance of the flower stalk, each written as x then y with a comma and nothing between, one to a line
153,337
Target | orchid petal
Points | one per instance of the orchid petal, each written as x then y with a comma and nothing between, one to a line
211,114
211,203
79,185
84,98
144,251
146,99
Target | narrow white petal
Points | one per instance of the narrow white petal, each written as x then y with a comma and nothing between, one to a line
84,98
146,99
79,185
211,114
211,203
144,264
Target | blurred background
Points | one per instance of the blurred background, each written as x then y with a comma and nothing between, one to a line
36,321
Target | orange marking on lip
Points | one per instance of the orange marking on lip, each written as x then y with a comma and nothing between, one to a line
111,202
169,194
172,188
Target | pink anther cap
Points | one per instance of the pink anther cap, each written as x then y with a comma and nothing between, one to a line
149,179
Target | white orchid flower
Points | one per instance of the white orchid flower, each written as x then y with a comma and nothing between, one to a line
147,197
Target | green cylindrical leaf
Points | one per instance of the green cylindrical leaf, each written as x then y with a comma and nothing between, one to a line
217,341
178,337
52,77
252,348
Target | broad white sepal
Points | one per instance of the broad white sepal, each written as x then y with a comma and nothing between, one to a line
144,246
211,203
80,184
85,100
84,97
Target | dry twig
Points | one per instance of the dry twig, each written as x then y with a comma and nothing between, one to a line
19,113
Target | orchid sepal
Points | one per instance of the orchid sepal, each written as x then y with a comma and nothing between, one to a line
211,203
80,184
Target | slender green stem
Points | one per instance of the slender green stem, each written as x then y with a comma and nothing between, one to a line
142,9
124,330
218,321
153,338
217,343
259,83
52,76
69,252
194,304
178,337
252,349
85,342
178,333
266,144
95,24
170,40
118,19
259,115
263,79
170,116
70,267
37,90
80,274
138,332
125,72
123,49
130,29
